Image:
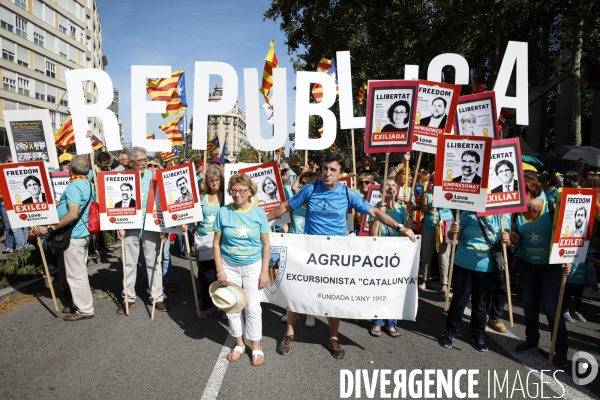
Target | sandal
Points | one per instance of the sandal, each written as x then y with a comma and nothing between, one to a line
393,333
375,333
256,353
236,349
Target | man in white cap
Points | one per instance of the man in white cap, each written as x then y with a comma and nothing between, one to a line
286,172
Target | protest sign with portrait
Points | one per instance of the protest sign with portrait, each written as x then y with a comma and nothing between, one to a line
461,172
436,108
154,214
573,222
506,191
476,116
179,198
270,188
373,197
120,200
31,137
229,171
26,192
59,181
391,107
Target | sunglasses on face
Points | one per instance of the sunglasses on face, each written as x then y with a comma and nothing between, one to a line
364,182
153,165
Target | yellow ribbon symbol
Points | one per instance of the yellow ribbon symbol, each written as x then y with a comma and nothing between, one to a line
170,200
489,189
30,145
418,117
448,175
111,203
567,231
485,132
378,127
18,199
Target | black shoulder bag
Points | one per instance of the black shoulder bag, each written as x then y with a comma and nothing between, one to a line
60,239
495,248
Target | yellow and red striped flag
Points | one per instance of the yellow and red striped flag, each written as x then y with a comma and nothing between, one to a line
370,161
150,136
332,148
280,152
213,145
96,143
167,156
173,130
362,92
171,90
267,80
64,136
254,156
328,67
320,131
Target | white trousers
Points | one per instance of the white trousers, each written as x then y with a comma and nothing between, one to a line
75,260
150,244
247,277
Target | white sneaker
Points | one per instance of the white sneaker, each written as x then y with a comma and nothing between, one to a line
579,317
568,317
310,321
589,293
284,317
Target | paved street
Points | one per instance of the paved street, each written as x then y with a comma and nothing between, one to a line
179,356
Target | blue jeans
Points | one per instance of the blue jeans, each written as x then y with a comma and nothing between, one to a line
542,282
390,323
21,235
10,237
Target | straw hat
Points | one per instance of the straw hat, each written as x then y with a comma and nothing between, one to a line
231,298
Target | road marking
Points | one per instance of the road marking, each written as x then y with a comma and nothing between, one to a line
211,391
534,361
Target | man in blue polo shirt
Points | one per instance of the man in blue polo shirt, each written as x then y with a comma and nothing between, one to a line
328,204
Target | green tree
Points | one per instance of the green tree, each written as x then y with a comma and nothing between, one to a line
245,155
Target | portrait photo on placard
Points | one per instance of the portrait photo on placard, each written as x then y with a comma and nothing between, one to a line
390,115
268,183
120,194
476,115
576,216
25,185
232,169
178,188
436,106
463,162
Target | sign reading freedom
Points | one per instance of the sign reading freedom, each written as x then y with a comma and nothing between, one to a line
344,276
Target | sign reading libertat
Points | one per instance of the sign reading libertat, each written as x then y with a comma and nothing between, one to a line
344,276
506,189
59,182
119,200
476,115
461,172
391,107
26,192
270,189
154,215
436,108
178,191
31,136
374,196
573,222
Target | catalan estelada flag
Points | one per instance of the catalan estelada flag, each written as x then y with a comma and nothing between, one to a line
362,92
167,156
328,67
213,145
64,136
254,156
96,143
270,63
150,136
171,90
174,129
332,148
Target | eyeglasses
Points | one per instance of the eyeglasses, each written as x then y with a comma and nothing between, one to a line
392,185
399,112
364,182
153,166
240,191
143,161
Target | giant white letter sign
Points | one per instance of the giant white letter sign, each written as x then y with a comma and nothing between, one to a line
516,53
461,66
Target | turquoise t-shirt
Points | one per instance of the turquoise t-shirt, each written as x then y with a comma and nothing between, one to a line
398,214
444,214
536,237
578,274
472,251
209,213
77,193
327,209
551,195
298,220
292,177
241,232
120,168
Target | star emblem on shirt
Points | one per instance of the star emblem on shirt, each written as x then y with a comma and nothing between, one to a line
210,218
533,237
243,232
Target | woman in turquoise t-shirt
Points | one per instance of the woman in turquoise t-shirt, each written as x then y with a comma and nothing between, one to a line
211,194
474,273
242,253
538,279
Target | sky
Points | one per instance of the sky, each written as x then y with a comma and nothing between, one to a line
160,32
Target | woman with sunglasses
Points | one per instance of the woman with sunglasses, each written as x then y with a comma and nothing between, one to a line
211,195
242,251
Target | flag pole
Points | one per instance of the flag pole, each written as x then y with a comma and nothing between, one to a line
557,318
506,275
50,285
454,242
126,300
354,159
412,191
187,245
157,275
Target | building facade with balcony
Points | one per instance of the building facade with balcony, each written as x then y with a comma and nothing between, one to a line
231,125
40,40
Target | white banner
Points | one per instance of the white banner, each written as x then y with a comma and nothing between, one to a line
344,276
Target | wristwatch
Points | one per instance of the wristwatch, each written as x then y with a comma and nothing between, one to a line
50,228
399,228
